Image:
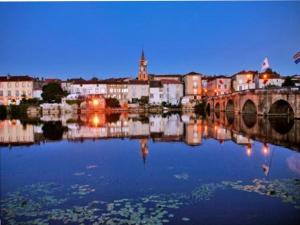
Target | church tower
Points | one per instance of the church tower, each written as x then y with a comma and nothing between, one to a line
143,74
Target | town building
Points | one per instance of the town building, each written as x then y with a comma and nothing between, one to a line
155,92
84,88
296,79
218,85
193,85
143,74
268,79
14,88
204,81
243,80
117,88
137,89
172,91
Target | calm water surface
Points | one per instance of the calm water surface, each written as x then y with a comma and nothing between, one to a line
154,169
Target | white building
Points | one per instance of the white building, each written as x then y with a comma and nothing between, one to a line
137,89
37,93
266,79
84,88
243,80
156,93
172,91
14,88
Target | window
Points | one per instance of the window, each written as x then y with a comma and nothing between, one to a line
195,85
17,93
8,93
1,93
151,96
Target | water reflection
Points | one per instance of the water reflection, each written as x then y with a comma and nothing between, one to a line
146,172
188,128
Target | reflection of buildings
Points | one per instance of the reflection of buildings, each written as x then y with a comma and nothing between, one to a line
13,132
186,128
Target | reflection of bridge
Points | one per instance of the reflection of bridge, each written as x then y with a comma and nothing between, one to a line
282,131
260,102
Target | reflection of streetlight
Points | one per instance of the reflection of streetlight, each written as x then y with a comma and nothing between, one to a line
95,102
249,150
265,149
96,120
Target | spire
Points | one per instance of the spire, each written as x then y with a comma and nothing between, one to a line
143,55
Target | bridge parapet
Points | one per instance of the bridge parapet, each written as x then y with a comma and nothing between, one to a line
260,101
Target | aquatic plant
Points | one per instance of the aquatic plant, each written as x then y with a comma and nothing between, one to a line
47,203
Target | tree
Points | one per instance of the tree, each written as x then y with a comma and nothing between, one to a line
52,92
112,102
288,82
53,130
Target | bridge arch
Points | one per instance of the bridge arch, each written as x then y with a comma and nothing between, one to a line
249,107
217,107
229,106
281,107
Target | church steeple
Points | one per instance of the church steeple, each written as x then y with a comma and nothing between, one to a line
144,149
143,74
143,55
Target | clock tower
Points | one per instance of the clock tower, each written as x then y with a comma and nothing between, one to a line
143,74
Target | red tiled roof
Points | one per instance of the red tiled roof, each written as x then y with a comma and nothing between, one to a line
138,82
15,78
166,81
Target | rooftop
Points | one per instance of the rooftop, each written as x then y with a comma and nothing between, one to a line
9,78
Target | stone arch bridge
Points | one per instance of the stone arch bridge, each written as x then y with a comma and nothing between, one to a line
276,102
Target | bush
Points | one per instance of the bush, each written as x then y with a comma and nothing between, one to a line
144,100
112,102
200,108
73,102
30,101
3,112
17,111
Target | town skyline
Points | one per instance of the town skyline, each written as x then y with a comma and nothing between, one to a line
105,40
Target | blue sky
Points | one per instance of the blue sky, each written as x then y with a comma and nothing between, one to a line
105,38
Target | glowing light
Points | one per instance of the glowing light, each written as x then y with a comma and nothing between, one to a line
95,102
96,120
265,149
249,150
265,76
